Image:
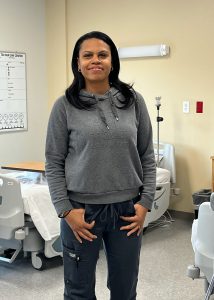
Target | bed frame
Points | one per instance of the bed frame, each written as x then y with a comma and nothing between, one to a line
17,231
162,196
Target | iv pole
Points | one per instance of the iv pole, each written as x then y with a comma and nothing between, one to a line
159,119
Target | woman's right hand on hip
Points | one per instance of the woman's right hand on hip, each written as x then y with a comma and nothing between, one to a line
81,229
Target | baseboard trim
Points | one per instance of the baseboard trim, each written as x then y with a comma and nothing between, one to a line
182,215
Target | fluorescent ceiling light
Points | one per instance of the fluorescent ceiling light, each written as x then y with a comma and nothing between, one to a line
143,51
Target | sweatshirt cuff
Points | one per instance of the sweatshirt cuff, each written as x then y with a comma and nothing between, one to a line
147,203
63,206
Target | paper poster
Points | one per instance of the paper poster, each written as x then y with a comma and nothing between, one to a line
13,102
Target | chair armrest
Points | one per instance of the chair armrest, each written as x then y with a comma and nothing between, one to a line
212,201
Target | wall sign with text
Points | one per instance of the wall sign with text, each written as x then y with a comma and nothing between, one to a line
13,95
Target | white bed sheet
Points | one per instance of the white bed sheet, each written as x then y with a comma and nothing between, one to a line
38,204
162,175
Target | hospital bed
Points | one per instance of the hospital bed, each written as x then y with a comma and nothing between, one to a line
165,179
28,220
203,245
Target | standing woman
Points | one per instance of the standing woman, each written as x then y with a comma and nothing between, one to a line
101,171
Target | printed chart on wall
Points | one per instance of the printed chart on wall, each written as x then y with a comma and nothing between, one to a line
13,102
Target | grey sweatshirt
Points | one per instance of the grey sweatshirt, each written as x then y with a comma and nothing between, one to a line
102,155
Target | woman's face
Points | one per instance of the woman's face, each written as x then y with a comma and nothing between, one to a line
94,61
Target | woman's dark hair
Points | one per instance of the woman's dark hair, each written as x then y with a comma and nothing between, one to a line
72,92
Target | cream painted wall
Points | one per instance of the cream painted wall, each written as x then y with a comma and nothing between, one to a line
56,48
22,28
187,74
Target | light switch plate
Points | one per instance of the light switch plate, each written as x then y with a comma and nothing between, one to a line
186,107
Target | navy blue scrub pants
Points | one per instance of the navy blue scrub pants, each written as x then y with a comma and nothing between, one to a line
122,254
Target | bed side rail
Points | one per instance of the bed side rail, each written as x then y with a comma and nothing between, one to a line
166,158
11,207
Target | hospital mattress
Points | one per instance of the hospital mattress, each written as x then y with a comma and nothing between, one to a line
162,176
37,201
37,204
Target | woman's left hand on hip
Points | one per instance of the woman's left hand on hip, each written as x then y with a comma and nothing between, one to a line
136,221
